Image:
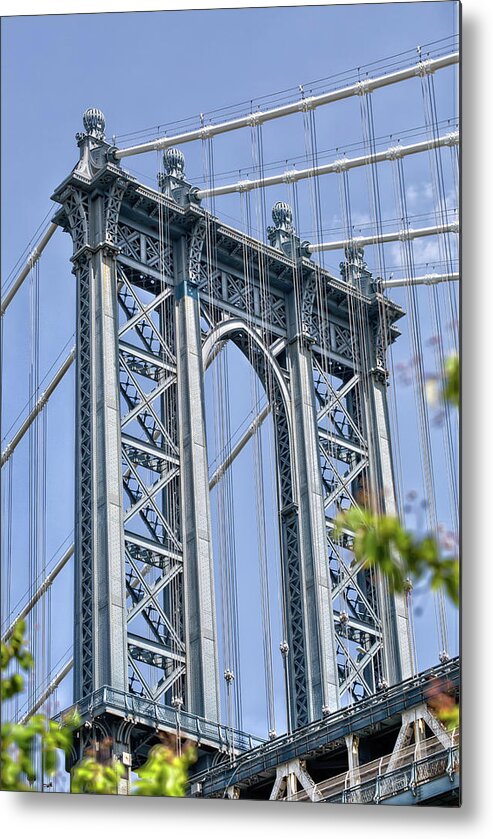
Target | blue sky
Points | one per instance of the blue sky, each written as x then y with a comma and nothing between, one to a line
145,69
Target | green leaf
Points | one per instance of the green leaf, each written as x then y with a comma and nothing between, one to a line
451,380
382,542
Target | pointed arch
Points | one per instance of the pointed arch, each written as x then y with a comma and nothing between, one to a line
237,330
278,393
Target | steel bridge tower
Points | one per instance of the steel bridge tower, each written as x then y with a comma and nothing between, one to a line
154,304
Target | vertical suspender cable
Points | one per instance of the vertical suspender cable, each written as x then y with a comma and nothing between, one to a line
441,211
263,553
368,127
320,303
420,391
174,596
224,491
445,244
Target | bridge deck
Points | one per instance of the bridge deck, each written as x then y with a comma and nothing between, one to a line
424,773
326,735
161,718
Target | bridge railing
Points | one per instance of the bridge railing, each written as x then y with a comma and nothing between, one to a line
198,729
372,782
300,743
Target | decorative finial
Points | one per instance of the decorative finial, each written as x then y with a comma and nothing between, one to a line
282,216
174,163
354,269
94,123
355,255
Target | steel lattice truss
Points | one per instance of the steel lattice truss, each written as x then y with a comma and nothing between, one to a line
150,472
344,462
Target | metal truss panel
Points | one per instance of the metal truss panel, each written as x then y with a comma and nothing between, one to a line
150,470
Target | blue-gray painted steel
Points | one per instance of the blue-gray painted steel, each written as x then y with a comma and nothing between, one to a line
325,735
144,608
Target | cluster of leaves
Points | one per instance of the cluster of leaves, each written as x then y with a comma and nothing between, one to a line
383,543
165,773
19,740
446,385
451,380
14,649
441,700
92,776
449,715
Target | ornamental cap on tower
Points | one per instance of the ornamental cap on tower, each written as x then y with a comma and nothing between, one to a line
282,235
354,269
355,254
174,163
282,216
94,123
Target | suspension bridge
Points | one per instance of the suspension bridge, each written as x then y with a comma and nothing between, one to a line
199,344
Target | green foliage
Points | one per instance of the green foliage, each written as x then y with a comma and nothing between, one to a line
15,650
446,386
450,717
98,778
441,700
451,380
382,542
164,772
18,740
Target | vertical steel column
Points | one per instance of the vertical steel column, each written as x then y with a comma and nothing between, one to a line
109,548
398,641
100,638
352,745
91,198
200,622
322,681
83,550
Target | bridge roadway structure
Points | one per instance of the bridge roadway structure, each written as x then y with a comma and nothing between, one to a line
322,750
240,765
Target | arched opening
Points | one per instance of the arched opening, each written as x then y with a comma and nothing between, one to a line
244,480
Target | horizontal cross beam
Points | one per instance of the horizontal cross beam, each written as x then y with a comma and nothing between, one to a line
340,165
377,238
300,106
426,279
